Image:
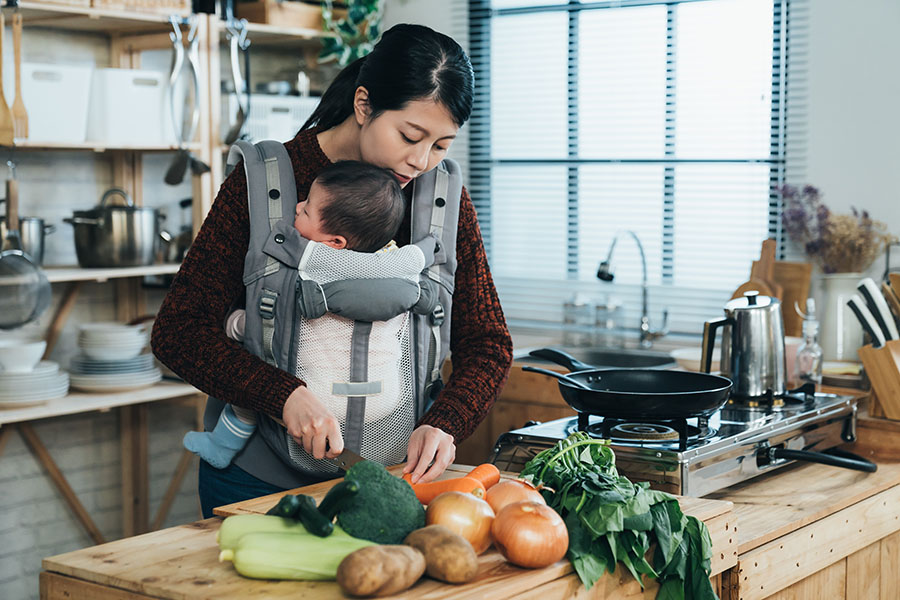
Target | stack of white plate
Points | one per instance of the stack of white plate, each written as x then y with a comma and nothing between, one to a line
112,359
112,341
44,382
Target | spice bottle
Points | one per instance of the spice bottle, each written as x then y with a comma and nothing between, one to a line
809,354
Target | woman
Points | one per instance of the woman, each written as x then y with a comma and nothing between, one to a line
399,108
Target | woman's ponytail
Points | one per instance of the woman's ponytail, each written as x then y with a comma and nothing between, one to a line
337,101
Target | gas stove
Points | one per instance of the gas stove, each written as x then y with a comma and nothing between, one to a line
698,456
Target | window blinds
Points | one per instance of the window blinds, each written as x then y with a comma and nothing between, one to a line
664,118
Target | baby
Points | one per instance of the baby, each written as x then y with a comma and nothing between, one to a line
351,205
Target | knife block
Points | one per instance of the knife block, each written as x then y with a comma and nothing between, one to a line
883,369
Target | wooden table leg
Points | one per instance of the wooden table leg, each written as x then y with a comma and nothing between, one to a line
180,471
135,477
40,452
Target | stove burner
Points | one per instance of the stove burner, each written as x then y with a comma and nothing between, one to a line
642,431
801,396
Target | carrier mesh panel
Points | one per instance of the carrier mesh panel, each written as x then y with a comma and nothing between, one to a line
325,264
323,357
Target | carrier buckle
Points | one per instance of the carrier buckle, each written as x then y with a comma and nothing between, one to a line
267,305
437,315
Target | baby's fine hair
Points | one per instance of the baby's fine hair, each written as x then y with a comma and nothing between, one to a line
365,204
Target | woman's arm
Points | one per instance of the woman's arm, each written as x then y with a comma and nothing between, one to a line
479,339
188,335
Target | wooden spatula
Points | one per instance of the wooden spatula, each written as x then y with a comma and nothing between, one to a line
6,120
19,114
894,278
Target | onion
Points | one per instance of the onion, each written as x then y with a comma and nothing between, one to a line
510,491
530,534
464,514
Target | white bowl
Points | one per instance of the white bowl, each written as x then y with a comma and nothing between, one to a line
689,358
21,356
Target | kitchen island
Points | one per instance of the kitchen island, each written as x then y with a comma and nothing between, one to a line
182,563
805,531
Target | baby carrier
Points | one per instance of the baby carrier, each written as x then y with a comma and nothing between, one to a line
288,277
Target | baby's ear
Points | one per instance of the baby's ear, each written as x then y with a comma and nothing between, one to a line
338,242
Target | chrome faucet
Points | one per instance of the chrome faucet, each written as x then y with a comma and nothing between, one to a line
604,274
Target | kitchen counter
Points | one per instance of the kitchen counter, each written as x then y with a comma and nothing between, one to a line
181,563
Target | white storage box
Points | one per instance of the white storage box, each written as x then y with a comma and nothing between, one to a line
272,117
56,98
129,107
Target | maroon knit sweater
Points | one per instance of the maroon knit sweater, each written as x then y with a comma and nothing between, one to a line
189,337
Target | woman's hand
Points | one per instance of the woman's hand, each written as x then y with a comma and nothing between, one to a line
428,443
311,425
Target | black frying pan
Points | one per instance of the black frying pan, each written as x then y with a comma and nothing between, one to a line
636,393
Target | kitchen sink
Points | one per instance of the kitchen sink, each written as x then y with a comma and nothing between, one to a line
615,358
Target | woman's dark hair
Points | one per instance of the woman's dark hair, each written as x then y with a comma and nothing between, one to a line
410,62
365,204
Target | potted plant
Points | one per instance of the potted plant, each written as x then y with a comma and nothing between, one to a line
356,31
844,246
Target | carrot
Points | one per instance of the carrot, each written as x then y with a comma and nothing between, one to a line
426,492
487,474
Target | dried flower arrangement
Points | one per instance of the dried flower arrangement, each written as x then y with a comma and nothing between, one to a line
837,243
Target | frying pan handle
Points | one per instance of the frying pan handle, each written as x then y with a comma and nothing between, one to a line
709,341
835,458
559,357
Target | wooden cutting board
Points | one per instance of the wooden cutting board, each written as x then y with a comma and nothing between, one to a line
794,279
761,274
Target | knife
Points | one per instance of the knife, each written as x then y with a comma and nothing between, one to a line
346,459
879,308
858,306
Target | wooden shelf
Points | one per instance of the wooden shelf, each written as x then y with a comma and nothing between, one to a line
95,20
261,34
99,147
79,402
63,274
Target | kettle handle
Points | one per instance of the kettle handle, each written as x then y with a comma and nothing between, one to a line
709,341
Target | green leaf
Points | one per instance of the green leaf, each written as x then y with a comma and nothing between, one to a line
662,528
641,522
671,589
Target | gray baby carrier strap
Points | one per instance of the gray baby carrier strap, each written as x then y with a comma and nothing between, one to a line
277,296
435,212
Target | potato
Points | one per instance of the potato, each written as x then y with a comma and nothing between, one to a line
380,570
448,556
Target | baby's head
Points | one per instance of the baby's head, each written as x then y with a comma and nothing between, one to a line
353,205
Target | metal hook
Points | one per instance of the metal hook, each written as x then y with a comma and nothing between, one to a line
194,22
175,22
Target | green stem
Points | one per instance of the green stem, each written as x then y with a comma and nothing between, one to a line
562,453
581,502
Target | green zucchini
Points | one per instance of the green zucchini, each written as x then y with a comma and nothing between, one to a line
336,497
314,521
287,507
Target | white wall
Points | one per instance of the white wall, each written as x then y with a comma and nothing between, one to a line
854,95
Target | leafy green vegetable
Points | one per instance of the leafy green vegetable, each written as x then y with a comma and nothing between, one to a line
610,520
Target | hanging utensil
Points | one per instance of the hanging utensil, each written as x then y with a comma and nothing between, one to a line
19,114
237,33
198,167
7,130
175,172
24,289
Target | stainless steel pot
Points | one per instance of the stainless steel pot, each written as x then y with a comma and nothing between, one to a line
116,236
31,231
752,346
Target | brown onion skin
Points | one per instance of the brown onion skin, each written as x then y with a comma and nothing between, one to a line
464,514
530,535
510,491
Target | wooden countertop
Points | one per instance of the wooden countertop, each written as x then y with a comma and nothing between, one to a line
182,563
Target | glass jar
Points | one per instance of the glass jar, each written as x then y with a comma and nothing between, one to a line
579,318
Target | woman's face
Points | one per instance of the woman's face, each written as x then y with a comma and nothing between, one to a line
408,142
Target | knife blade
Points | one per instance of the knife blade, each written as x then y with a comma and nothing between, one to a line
346,459
879,308
864,315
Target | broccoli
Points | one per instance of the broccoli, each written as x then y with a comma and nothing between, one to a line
385,510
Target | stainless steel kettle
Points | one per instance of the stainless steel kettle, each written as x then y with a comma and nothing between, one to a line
752,346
